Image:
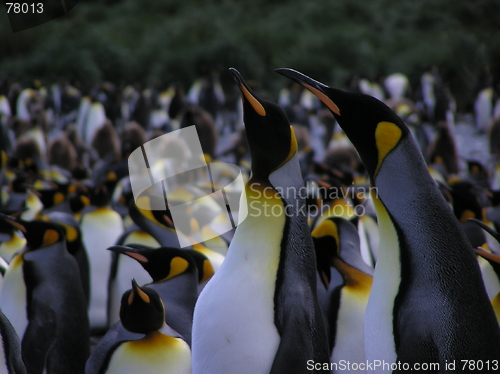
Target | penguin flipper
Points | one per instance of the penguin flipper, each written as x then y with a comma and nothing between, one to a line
297,346
100,357
14,362
39,337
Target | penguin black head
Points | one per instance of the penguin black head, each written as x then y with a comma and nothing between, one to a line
143,215
51,197
373,128
326,246
39,234
337,240
203,264
466,200
141,310
270,136
79,199
72,232
162,263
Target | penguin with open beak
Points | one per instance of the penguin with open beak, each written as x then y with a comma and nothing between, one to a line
428,303
259,313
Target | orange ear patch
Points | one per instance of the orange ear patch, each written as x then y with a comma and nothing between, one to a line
387,136
50,237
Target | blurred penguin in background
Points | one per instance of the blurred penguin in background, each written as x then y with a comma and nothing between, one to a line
106,142
397,86
206,91
205,126
93,118
62,153
442,154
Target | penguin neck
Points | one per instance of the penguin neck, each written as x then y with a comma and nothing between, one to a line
258,237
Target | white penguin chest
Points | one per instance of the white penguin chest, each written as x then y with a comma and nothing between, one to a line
13,297
234,328
154,354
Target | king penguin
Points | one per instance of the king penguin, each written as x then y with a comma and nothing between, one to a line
43,297
74,245
428,303
259,313
159,351
124,268
160,226
101,227
175,278
338,240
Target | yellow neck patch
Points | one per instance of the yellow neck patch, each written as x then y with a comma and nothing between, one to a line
387,136
85,200
72,189
327,228
495,302
256,105
208,270
71,233
151,342
58,198
144,206
466,214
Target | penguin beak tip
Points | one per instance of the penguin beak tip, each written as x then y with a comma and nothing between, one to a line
236,75
116,248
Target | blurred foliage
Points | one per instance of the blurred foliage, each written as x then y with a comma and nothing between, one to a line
162,41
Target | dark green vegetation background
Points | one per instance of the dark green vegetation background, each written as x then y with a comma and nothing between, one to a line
159,41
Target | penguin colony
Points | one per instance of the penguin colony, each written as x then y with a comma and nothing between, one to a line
382,258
